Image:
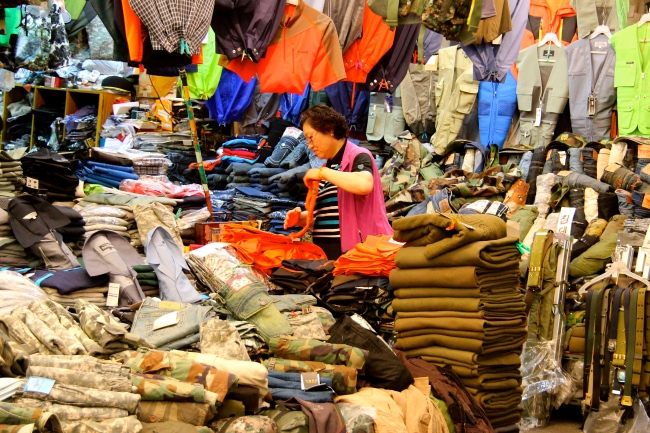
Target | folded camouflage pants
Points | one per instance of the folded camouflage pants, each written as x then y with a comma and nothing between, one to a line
87,397
11,414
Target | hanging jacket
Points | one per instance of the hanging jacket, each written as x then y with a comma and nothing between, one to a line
389,72
497,103
341,95
531,95
260,112
546,16
491,28
231,98
348,17
364,53
305,49
632,86
455,96
492,61
291,105
418,98
590,14
246,27
583,83
203,84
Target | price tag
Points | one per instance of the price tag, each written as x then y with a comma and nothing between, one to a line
565,220
113,296
40,385
562,155
292,132
644,152
166,320
538,116
32,183
309,380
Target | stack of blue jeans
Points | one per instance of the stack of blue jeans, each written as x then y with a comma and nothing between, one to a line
283,386
108,175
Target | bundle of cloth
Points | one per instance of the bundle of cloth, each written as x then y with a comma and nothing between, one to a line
105,217
66,286
242,149
260,175
238,174
74,232
53,172
11,172
279,209
289,184
108,175
251,202
457,304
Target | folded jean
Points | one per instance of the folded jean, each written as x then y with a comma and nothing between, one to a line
264,172
185,331
575,180
538,159
625,203
556,162
290,175
575,161
110,167
607,205
640,211
298,156
620,177
310,396
440,201
284,147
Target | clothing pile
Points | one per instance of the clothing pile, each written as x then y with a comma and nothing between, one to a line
66,286
242,149
457,303
11,172
151,166
289,184
148,281
88,394
108,175
295,276
373,257
238,174
73,233
279,209
106,217
53,172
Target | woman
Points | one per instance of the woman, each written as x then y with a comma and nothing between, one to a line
350,203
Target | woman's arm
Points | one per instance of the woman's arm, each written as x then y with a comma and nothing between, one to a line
359,183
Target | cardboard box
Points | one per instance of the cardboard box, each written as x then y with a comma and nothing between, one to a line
206,233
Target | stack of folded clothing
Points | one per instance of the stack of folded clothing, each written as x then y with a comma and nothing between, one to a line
105,217
74,231
180,163
66,286
13,254
11,172
260,176
457,304
151,166
88,395
53,172
295,276
79,126
108,175
374,257
251,203
148,280
284,386
238,174
242,149
279,209
290,183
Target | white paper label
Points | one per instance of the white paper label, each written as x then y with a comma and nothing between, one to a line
565,220
30,182
40,385
113,296
166,320
292,132
562,155
538,116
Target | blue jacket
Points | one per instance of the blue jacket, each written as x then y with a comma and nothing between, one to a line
291,105
232,98
497,103
340,96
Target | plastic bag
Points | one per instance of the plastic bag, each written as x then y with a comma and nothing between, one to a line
16,290
188,221
158,188
357,417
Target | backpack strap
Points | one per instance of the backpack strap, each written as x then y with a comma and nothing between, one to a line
392,12
541,243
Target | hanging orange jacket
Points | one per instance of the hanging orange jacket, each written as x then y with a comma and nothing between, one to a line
364,53
545,16
305,49
135,35
265,250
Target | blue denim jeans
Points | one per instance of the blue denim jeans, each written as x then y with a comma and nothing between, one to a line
441,202
281,151
625,203
182,334
283,386
575,161
524,164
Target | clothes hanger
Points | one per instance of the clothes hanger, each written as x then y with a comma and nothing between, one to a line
644,19
615,271
601,30
292,2
550,38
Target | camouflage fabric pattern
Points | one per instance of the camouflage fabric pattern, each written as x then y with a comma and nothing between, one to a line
288,421
596,227
150,216
158,388
246,424
186,370
13,357
315,350
325,316
306,325
11,414
112,382
358,419
43,312
106,330
402,169
24,428
161,411
41,331
73,327
545,184
129,424
220,337
79,363
85,397
66,412
570,139
344,379
445,17
20,333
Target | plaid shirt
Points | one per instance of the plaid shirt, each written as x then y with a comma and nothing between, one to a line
169,21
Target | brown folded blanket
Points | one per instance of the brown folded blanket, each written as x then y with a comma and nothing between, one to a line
441,233
454,323
494,254
483,347
457,276
487,335
509,303
508,371
456,292
464,356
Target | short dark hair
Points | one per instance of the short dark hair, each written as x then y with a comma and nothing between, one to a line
325,120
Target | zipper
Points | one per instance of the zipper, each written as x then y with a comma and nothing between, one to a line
492,116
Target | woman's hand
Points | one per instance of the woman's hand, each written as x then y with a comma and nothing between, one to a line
313,175
293,218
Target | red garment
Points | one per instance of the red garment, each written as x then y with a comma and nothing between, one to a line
266,251
242,153
374,257
305,49
364,53
207,165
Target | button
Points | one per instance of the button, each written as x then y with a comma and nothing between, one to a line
234,51
239,49
153,418
262,302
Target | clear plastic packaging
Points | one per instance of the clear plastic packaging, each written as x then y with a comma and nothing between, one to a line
158,188
197,216
16,290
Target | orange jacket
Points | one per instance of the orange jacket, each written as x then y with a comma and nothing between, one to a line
550,15
134,32
364,53
304,49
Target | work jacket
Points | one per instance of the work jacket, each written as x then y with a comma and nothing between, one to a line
497,103
542,20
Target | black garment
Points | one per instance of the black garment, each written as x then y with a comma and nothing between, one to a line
69,280
53,172
106,11
32,218
382,368
583,244
607,205
297,275
327,227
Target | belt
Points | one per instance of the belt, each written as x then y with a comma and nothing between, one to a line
602,307
594,305
621,337
611,343
639,336
541,243
630,331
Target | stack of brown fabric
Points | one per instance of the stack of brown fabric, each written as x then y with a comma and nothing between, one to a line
461,307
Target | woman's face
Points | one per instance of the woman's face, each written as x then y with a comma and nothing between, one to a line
323,145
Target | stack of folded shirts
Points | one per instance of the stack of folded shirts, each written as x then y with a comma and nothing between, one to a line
180,163
66,286
105,217
148,281
238,174
245,149
279,209
53,172
13,254
11,173
290,183
457,304
93,295
374,257
108,175
74,231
